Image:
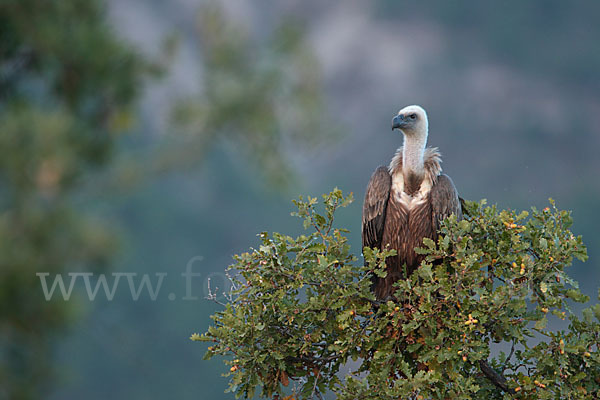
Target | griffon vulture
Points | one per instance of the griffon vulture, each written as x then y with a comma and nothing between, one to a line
406,201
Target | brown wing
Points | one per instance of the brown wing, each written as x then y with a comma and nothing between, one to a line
444,200
374,207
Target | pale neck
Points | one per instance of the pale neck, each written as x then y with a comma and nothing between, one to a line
412,153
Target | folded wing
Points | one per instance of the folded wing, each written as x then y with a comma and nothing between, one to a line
374,207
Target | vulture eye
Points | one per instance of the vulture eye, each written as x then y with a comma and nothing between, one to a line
413,116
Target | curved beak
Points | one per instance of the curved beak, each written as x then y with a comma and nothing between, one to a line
398,122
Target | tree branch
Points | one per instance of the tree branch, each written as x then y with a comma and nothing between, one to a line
497,379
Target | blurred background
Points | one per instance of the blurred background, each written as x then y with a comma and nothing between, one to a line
140,136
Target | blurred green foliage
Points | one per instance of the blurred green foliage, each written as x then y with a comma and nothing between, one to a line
69,87
301,308
263,97
260,98
65,79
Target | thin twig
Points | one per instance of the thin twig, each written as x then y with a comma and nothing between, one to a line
213,296
315,385
512,350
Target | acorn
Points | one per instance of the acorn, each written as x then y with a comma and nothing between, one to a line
539,384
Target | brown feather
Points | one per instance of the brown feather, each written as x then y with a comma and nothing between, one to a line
389,223
444,201
374,207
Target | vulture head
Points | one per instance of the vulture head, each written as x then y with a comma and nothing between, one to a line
412,121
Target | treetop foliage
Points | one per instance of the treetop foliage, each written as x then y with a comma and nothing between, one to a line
300,319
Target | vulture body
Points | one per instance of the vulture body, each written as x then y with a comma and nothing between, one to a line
406,201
